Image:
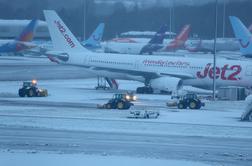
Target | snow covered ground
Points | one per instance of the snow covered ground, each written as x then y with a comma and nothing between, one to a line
52,159
71,106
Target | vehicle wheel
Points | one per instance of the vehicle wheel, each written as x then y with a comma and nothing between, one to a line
30,93
108,106
181,106
120,105
21,93
192,104
139,90
198,105
149,90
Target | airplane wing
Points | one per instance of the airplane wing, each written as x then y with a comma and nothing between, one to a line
150,75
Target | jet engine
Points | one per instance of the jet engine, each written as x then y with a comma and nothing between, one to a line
166,83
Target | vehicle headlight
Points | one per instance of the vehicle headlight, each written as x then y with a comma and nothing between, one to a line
134,98
34,82
127,97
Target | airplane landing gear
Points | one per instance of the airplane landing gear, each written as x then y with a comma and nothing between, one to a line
144,90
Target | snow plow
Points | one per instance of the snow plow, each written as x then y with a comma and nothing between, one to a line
189,100
30,89
118,101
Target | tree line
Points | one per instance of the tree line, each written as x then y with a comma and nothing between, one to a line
121,19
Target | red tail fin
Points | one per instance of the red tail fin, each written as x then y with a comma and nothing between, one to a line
180,39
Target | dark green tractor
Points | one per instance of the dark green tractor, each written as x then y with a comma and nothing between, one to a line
118,101
190,100
30,89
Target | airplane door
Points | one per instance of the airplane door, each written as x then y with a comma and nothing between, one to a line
248,71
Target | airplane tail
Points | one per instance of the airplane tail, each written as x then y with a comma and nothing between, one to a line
243,36
62,37
180,39
156,41
183,35
95,38
28,32
158,38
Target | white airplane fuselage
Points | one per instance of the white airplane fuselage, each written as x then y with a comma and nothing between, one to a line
228,72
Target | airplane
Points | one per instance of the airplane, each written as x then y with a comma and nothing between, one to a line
179,41
156,72
207,46
92,43
129,46
154,45
243,36
156,42
22,42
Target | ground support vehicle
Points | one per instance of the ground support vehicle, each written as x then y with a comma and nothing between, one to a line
117,102
30,89
189,100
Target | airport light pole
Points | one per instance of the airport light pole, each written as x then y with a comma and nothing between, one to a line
214,55
170,20
84,19
171,16
224,18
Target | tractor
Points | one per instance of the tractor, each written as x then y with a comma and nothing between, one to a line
118,101
30,89
129,96
190,100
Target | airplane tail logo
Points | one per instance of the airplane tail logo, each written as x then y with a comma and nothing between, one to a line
29,31
96,37
62,37
180,39
158,38
183,35
243,36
